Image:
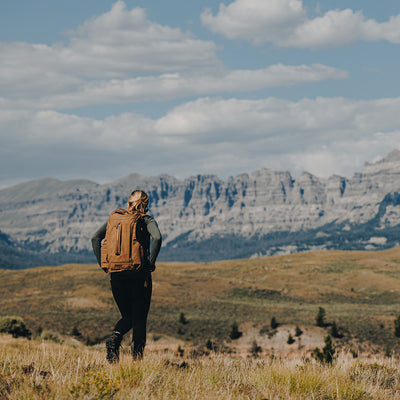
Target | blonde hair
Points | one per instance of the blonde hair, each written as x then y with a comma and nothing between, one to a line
139,200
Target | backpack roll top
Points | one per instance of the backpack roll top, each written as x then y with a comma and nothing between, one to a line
124,249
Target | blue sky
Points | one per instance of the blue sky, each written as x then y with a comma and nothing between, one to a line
101,89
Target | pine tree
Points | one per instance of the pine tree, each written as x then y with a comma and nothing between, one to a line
290,339
75,332
39,332
397,326
320,318
298,331
328,351
235,334
334,330
182,319
274,324
14,326
255,348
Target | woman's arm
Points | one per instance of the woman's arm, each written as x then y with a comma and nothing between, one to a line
96,241
156,239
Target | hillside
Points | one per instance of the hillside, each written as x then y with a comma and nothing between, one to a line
360,291
205,218
43,370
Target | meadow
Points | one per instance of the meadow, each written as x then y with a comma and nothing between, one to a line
359,291
34,369
191,352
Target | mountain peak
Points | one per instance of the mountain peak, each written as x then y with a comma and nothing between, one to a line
389,164
393,156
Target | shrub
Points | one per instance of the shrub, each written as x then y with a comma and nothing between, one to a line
180,352
75,332
209,345
180,331
182,319
235,334
95,385
274,324
320,318
255,348
397,326
298,332
290,339
328,351
334,331
92,340
51,337
14,326
39,332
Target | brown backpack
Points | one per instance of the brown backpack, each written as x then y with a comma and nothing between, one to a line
125,245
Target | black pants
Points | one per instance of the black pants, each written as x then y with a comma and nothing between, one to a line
132,293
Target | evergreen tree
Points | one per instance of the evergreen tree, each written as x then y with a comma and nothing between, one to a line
290,339
14,326
334,330
298,331
255,348
180,351
274,324
75,332
320,318
235,334
209,345
180,331
182,319
39,332
397,326
328,351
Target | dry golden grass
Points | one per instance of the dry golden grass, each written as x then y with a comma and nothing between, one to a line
42,370
358,290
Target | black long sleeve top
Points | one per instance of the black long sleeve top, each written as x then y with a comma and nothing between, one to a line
152,228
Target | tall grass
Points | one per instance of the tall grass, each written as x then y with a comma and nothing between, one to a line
43,370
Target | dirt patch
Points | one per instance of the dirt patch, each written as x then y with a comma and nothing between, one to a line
81,302
276,341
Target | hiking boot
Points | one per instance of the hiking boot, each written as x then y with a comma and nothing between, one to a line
112,346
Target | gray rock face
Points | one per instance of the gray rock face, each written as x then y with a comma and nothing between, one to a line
60,217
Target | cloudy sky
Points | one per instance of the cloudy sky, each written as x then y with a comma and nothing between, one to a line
100,89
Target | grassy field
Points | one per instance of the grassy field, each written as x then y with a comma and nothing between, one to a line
360,292
33,369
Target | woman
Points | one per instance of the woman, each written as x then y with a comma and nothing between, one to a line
131,289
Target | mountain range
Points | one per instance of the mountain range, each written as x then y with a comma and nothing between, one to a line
204,218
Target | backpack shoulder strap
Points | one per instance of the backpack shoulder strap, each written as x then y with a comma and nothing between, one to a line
120,211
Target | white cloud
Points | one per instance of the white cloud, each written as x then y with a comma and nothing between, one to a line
122,57
123,42
172,86
267,116
33,70
333,29
196,136
255,20
118,44
284,23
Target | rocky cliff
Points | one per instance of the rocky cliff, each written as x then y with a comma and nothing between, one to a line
204,217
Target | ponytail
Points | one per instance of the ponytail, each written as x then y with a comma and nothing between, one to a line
140,201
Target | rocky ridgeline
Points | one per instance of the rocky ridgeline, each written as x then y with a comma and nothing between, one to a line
269,209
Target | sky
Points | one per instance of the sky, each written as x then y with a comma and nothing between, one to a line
102,89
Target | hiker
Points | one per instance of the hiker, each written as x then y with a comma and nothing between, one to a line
131,284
